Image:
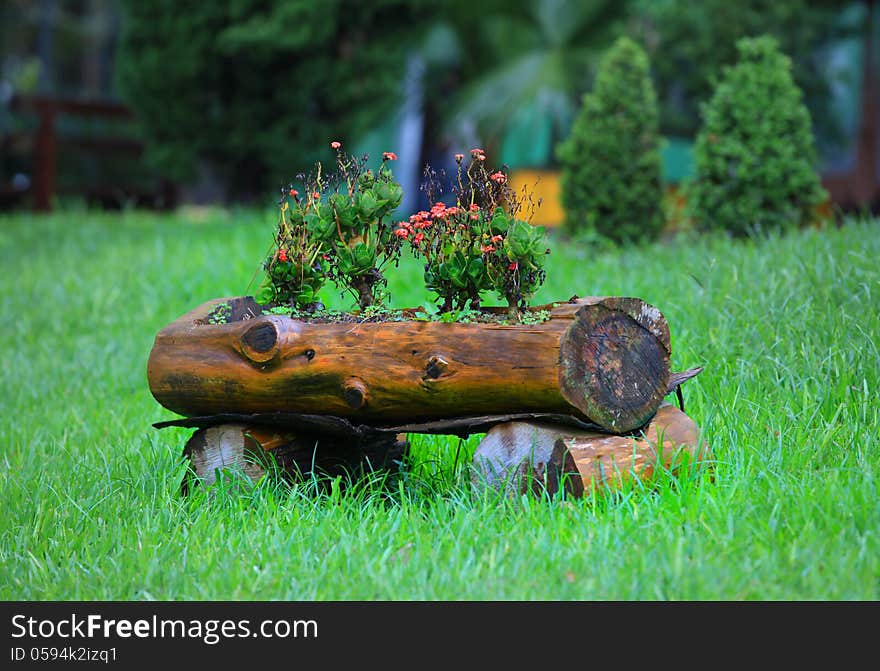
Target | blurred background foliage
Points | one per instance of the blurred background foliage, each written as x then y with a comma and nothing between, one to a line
233,99
690,42
259,88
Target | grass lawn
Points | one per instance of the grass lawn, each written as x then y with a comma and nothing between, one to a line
788,329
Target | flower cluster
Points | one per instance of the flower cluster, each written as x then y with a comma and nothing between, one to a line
337,227
478,244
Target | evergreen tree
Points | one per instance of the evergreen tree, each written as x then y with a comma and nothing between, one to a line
755,156
611,168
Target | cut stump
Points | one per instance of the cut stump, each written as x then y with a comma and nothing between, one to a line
518,457
252,451
225,447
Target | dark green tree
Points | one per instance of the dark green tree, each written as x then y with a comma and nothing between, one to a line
755,155
689,43
255,89
611,167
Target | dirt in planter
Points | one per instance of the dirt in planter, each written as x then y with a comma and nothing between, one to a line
240,309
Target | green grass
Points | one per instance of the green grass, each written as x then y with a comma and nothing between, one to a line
786,327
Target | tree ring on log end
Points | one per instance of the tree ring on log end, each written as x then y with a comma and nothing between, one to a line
223,447
260,342
612,369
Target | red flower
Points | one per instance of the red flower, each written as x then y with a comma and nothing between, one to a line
294,193
487,249
481,157
459,158
282,255
389,156
513,266
497,238
475,216
474,207
316,195
335,144
498,177
476,151
419,237
402,233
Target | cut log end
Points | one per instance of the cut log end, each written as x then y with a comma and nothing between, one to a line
513,457
253,450
519,457
613,368
224,448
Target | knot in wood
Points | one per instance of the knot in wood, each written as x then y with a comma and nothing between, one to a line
259,343
437,365
354,390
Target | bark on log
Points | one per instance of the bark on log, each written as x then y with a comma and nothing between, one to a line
603,360
329,426
519,457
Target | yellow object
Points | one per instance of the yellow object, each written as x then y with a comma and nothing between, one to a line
544,186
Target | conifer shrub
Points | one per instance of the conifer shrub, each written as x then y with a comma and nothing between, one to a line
754,155
611,169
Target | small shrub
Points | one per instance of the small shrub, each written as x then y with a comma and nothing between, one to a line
339,227
611,168
755,154
480,244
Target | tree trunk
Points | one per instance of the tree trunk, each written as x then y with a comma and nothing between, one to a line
602,360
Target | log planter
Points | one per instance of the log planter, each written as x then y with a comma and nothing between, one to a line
596,364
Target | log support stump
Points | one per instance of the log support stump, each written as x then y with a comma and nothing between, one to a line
519,457
253,450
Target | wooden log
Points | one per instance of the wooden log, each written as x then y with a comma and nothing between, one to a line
225,447
329,426
513,457
251,450
519,457
585,463
604,360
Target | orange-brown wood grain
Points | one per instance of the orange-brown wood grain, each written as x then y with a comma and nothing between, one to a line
590,461
605,359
